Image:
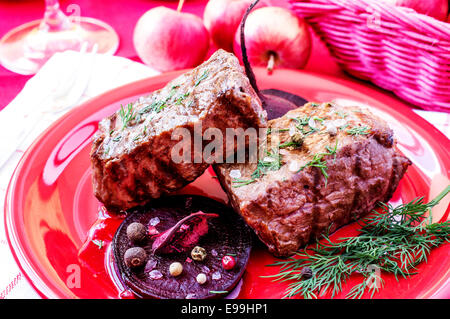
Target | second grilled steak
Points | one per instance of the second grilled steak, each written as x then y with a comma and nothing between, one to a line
329,165
131,152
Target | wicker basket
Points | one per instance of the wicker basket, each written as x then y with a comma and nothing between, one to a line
395,48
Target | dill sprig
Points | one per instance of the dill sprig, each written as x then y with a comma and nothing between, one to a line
156,106
319,162
201,78
394,240
359,130
291,143
271,162
159,105
127,114
99,243
303,122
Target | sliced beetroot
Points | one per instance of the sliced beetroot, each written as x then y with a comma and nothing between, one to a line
275,102
184,235
226,234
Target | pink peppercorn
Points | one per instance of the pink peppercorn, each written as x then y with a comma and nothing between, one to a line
228,262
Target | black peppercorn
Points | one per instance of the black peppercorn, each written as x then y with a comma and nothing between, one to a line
136,232
306,272
135,257
198,253
297,138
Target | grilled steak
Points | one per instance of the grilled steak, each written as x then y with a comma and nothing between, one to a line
131,152
332,166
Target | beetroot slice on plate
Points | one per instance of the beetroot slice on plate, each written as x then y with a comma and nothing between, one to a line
277,102
220,231
183,235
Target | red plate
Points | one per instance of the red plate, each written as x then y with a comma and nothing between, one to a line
50,210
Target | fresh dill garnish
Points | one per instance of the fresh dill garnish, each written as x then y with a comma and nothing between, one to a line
99,243
181,98
359,130
117,138
302,122
270,130
341,114
319,162
394,240
242,182
147,108
218,291
201,78
159,105
316,118
290,143
271,162
178,101
127,115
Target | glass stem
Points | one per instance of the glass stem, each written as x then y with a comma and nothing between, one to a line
54,19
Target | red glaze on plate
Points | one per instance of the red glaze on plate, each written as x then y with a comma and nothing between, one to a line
60,235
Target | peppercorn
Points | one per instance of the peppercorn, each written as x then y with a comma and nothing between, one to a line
228,262
136,232
175,269
306,272
201,278
297,138
135,257
198,253
332,130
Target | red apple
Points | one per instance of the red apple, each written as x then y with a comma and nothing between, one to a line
167,39
434,8
274,36
222,18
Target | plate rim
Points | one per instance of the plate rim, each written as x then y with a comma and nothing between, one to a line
16,248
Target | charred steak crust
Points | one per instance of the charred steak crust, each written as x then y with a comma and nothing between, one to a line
289,207
131,152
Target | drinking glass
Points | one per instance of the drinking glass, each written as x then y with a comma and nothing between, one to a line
27,47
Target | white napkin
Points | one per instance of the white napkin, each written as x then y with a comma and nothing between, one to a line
35,101
58,78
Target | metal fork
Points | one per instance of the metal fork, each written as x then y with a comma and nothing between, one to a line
67,92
